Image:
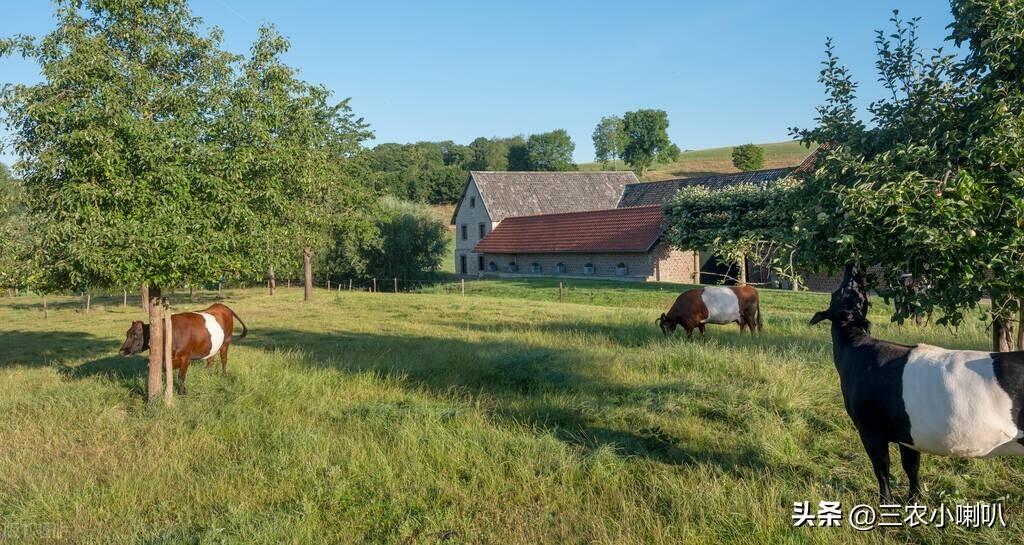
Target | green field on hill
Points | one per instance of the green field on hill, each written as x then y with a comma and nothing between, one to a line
704,162
502,417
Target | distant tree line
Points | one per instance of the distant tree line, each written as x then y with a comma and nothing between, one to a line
434,172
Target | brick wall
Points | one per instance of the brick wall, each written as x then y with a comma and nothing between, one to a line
661,264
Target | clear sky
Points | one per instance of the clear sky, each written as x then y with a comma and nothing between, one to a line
726,72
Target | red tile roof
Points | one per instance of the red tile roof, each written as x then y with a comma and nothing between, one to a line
625,230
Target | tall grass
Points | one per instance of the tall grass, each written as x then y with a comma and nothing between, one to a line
500,417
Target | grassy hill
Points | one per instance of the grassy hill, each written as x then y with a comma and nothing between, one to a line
500,417
704,162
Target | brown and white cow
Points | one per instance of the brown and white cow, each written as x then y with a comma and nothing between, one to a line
713,305
196,336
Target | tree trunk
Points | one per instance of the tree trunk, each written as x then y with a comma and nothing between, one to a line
742,274
168,355
307,274
145,298
1002,335
156,345
271,280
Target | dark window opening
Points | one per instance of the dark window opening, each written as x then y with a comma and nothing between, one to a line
465,232
472,202
480,262
462,263
481,230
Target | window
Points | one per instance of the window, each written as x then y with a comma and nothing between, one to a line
588,268
560,268
480,263
513,266
535,267
621,269
462,263
472,202
465,232
492,266
481,230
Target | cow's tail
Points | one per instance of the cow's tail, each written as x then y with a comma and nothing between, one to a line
245,330
760,323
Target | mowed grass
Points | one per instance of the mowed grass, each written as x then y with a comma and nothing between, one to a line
501,417
705,162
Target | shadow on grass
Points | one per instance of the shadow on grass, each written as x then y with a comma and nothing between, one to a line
518,378
43,348
128,372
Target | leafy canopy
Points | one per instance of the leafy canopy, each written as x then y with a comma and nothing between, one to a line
609,139
748,157
647,139
550,151
934,187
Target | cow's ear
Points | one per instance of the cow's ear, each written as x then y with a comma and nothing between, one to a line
819,316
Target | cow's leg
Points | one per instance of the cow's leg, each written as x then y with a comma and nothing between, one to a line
209,363
224,359
182,371
877,448
911,460
701,328
689,331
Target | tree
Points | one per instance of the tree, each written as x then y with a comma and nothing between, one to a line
934,187
17,262
550,151
748,157
518,155
287,139
736,223
489,154
646,139
609,139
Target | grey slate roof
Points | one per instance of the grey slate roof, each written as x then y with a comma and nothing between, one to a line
652,193
510,194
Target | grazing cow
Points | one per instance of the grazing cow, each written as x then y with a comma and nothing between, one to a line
196,336
713,305
924,398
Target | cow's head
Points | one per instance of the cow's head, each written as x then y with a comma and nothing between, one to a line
849,302
667,325
137,339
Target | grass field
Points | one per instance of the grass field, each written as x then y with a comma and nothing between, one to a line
501,417
709,161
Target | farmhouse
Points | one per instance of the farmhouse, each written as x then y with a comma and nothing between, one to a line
580,224
490,197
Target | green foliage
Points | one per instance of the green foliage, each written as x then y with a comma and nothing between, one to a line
149,155
17,264
285,138
412,241
935,188
748,157
647,139
550,151
735,222
609,139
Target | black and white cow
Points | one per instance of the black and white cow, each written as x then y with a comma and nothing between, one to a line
924,398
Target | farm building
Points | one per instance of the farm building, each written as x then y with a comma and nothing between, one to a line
490,197
579,224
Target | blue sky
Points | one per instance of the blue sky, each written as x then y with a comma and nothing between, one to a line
726,72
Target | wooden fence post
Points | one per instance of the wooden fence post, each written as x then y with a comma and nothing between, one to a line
46,311
374,286
463,282
328,284
124,298
396,284
168,355
559,292
349,284
88,300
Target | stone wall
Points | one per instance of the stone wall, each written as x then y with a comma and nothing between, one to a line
661,264
472,214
